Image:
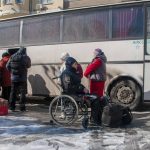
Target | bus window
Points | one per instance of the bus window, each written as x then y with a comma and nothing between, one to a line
148,30
9,33
41,30
127,22
86,26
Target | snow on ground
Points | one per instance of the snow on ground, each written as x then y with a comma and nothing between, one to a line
27,133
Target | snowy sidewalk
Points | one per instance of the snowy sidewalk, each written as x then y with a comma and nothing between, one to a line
31,131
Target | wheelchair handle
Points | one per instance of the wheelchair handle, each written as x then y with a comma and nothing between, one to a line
55,77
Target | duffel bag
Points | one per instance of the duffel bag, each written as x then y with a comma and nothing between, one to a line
112,115
127,116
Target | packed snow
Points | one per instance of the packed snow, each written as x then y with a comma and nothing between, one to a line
27,133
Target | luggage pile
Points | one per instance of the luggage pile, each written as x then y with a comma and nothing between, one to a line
3,107
115,115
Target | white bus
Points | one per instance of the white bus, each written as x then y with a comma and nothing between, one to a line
122,31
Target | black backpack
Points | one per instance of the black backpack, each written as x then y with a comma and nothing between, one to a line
115,115
127,116
112,115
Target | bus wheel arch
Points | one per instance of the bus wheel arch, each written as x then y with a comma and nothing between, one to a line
126,91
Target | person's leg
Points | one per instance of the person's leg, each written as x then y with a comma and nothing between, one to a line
13,97
22,96
96,112
6,92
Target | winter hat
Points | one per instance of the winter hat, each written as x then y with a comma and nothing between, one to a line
64,56
12,51
98,51
5,54
70,61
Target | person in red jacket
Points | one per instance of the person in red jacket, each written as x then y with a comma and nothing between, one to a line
5,76
96,72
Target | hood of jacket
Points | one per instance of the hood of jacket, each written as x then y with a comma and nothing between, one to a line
102,57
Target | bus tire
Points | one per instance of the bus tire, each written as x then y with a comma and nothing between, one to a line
126,92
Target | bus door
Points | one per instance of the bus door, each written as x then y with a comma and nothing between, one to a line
147,60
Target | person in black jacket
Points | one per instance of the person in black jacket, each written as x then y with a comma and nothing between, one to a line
18,66
70,80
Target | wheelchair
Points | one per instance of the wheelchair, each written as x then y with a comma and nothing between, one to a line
64,110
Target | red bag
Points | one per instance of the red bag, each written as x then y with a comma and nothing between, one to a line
3,107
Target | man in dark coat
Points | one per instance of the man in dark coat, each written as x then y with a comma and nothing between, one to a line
70,79
5,76
18,65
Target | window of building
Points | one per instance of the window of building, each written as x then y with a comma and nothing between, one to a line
86,26
127,22
19,1
45,1
7,2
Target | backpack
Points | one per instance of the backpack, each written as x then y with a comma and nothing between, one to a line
112,115
127,116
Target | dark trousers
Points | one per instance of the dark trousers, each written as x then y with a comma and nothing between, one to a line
6,92
17,88
97,110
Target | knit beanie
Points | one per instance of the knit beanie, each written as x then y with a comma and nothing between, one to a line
5,54
70,61
64,56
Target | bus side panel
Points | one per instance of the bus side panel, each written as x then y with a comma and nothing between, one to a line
124,57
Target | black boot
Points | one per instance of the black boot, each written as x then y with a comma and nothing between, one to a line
22,108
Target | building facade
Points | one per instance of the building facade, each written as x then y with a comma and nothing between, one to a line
14,8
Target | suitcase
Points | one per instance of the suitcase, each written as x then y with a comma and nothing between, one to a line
3,107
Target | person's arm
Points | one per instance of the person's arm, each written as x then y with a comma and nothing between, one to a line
27,61
1,65
8,67
92,67
65,81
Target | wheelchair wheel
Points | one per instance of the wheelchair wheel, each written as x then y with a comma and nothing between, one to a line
63,110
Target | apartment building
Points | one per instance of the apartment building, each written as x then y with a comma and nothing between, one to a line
14,8
70,4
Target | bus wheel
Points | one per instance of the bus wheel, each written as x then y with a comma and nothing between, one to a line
126,92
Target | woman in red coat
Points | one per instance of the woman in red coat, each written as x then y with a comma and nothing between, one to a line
96,72
5,76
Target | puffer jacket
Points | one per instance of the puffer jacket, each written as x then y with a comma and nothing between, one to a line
5,74
97,68
18,65
70,79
